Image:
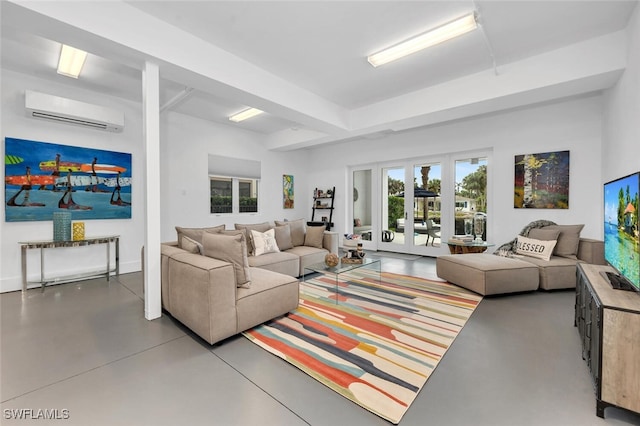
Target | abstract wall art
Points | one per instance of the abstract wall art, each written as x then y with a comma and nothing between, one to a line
287,192
43,178
542,181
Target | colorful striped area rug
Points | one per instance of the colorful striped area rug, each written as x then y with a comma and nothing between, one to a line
374,341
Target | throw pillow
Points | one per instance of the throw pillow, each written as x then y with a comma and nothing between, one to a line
264,242
535,248
190,245
568,240
544,234
314,236
195,233
283,237
260,227
232,249
297,231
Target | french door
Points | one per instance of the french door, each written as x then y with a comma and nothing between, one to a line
410,202
414,206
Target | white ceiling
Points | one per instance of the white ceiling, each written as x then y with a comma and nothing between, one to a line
304,62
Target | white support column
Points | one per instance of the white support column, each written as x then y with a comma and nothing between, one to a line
151,137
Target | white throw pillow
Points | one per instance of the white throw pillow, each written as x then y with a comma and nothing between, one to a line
535,248
264,242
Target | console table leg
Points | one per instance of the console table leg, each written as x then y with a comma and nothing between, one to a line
117,256
108,260
23,258
42,283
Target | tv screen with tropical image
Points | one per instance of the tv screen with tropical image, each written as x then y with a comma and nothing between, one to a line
621,231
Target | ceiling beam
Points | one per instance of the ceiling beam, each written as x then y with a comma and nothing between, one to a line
182,57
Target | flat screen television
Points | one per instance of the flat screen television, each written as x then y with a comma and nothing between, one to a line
621,232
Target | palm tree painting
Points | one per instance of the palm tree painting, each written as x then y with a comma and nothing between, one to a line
542,181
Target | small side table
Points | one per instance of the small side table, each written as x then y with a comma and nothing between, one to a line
464,248
46,244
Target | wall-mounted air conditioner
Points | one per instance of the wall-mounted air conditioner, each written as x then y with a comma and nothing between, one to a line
69,111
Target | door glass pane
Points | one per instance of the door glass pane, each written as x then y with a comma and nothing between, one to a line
393,213
426,204
221,195
471,197
362,199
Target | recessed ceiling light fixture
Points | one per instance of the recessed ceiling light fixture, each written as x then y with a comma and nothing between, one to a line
71,61
243,115
430,38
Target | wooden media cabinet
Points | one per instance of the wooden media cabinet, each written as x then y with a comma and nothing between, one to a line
608,321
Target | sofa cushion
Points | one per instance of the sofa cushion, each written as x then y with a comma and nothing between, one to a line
230,248
535,248
568,240
308,256
297,230
487,274
556,273
272,295
195,233
283,237
264,242
192,246
260,227
544,234
314,236
282,262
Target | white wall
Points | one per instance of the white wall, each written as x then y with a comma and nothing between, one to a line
16,124
573,125
186,143
621,129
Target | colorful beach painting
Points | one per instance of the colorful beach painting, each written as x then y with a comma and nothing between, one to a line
42,178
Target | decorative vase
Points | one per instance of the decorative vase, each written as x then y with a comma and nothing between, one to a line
61,226
331,260
468,226
479,222
78,231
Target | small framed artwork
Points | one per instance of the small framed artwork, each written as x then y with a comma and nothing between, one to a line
287,192
541,181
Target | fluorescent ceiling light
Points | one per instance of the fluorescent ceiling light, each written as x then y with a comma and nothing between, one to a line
243,115
71,61
430,38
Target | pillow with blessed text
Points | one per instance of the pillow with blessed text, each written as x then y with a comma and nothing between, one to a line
535,248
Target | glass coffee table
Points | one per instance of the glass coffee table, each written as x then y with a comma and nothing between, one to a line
344,271
468,247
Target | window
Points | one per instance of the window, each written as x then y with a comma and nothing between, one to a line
233,185
221,195
248,190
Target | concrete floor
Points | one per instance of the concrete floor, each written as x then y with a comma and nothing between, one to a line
84,352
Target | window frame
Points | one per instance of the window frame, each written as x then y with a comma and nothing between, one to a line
235,194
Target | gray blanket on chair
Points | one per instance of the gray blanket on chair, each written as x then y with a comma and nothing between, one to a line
510,247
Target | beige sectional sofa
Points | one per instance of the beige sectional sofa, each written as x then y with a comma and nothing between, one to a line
488,274
207,295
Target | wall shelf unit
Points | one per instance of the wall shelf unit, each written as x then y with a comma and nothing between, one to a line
323,205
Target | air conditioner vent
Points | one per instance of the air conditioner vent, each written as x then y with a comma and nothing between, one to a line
69,111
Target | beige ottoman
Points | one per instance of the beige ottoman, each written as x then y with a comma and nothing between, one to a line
488,274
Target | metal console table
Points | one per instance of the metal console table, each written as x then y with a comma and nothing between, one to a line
47,244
